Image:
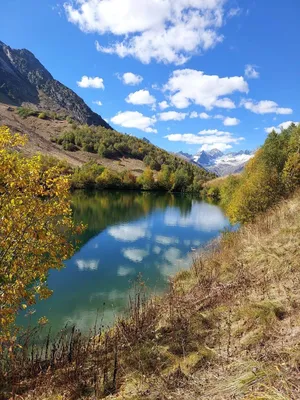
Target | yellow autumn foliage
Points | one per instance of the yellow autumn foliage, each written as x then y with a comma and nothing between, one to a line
272,174
35,222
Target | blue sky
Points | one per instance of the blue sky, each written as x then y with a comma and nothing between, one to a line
226,70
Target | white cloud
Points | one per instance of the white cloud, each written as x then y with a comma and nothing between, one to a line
134,119
156,250
194,114
125,271
280,127
135,255
209,139
265,107
172,255
172,116
225,103
228,121
163,105
165,30
131,79
98,102
202,115
128,233
285,125
213,132
141,97
88,82
203,217
87,265
188,86
233,12
166,240
251,72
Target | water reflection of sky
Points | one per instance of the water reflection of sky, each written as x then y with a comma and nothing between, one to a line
156,245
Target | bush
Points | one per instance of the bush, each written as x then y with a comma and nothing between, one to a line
25,112
70,147
213,193
42,115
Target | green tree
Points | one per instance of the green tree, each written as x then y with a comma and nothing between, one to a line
181,180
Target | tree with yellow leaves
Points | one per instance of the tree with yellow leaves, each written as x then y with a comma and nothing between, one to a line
35,222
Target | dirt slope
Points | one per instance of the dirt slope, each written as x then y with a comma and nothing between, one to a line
40,131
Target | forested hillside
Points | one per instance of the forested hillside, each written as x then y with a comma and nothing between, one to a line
273,174
164,170
101,158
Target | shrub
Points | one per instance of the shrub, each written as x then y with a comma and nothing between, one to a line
70,147
25,112
213,193
42,115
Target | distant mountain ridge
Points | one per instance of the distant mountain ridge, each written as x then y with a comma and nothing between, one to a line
25,81
218,162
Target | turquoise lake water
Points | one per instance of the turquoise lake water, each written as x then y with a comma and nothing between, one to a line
128,233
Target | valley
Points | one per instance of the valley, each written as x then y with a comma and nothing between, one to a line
149,200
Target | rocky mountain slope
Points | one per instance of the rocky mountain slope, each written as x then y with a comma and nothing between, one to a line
220,163
25,81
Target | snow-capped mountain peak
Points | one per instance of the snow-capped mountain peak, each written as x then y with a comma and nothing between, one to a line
220,163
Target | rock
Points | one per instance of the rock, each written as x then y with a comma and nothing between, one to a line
25,81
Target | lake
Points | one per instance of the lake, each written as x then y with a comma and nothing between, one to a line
128,233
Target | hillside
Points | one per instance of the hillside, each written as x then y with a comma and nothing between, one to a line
25,81
40,132
87,149
59,124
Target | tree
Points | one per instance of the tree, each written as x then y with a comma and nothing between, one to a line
164,178
85,177
36,219
258,191
146,180
108,179
181,180
291,172
128,180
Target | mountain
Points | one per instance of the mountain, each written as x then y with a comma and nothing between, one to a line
24,81
231,163
220,163
187,157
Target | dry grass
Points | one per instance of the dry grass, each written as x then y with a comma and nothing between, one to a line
228,329
40,132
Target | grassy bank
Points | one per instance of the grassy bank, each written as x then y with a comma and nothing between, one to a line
228,329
